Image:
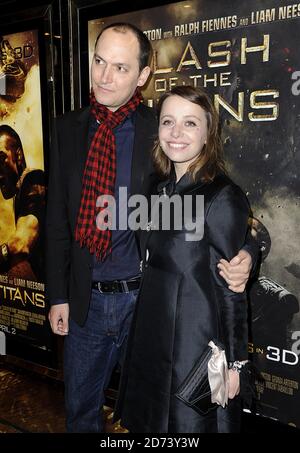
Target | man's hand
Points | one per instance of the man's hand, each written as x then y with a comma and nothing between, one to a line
234,384
59,319
236,272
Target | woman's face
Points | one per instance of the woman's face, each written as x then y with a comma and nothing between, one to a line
182,131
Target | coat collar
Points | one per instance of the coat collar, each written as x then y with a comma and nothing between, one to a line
185,184
81,142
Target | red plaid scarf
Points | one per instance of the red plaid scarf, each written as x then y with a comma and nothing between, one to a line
100,175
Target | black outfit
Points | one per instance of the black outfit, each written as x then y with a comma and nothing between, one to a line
70,267
176,313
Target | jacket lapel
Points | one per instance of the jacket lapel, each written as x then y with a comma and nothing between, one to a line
142,168
81,140
145,134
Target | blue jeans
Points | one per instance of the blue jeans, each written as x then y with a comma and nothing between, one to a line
90,355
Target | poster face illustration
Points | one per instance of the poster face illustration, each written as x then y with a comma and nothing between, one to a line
22,189
247,56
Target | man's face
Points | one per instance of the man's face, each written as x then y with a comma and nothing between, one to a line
8,166
115,72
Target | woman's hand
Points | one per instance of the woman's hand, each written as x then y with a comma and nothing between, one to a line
234,384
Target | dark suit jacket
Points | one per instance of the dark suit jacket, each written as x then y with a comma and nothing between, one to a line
69,267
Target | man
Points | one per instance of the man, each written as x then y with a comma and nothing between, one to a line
20,254
93,276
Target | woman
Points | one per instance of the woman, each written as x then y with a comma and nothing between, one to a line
183,302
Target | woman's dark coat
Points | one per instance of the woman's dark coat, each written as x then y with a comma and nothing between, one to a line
177,315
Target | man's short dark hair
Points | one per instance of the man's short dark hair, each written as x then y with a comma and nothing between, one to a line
144,43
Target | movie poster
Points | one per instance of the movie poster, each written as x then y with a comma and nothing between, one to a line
247,55
22,190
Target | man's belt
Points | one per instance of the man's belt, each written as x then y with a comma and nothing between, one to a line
117,286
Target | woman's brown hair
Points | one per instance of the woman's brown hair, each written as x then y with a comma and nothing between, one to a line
210,161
